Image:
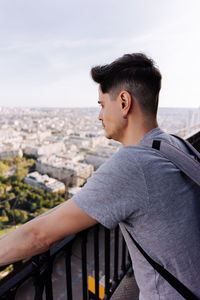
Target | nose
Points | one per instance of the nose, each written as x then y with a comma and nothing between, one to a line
100,117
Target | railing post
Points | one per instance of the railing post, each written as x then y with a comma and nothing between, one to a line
116,254
123,264
84,264
37,279
48,279
11,295
107,260
68,254
130,271
96,260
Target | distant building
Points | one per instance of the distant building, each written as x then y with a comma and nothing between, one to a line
44,182
71,173
100,156
73,191
37,150
8,135
81,143
9,151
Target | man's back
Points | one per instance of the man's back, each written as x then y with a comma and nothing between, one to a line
160,207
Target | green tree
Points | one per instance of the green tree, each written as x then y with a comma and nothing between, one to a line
2,188
33,207
4,214
21,173
16,190
42,211
3,169
16,216
3,179
1,225
7,205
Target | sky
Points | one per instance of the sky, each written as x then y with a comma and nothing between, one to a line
47,48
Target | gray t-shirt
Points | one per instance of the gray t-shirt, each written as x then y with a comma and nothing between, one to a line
159,205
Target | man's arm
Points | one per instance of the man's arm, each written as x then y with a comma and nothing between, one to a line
41,233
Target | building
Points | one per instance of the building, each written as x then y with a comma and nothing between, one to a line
71,173
37,150
97,158
44,182
73,191
8,151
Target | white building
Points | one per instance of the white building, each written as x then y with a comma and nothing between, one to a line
44,182
9,151
73,191
8,135
81,143
100,156
37,150
71,173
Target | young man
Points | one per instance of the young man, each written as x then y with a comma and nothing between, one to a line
137,187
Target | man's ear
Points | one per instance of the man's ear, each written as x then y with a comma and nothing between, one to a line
125,102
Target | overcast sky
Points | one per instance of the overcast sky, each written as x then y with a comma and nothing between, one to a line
47,48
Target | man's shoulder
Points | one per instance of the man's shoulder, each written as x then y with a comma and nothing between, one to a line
139,156
159,134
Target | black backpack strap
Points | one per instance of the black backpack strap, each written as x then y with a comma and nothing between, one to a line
191,167
188,164
191,149
173,281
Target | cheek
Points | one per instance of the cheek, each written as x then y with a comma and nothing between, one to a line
115,112
111,114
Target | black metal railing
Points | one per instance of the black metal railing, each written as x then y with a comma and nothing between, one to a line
108,253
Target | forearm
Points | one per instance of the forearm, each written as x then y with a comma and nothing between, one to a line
43,232
22,242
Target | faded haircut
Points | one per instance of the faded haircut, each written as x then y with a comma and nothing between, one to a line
135,73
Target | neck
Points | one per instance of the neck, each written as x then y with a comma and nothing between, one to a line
136,130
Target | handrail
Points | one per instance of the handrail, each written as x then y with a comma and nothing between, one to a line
40,266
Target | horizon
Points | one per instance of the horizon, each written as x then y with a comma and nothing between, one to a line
88,107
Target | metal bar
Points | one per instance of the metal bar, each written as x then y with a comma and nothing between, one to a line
123,265
10,296
84,264
37,279
107,260
68,254
48,279
130,270
96,261
116,253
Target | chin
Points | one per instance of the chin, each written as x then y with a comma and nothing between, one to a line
111,137
108,136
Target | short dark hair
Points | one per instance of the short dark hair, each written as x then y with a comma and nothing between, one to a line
135,73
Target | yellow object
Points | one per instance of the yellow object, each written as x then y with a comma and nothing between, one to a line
91,287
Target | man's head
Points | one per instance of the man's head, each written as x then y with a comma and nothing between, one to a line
131,78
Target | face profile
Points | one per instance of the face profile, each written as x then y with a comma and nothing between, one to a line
111,116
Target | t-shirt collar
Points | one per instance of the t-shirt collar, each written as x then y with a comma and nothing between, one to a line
150,135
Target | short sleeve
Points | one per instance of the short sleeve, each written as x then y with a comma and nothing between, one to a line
115,191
